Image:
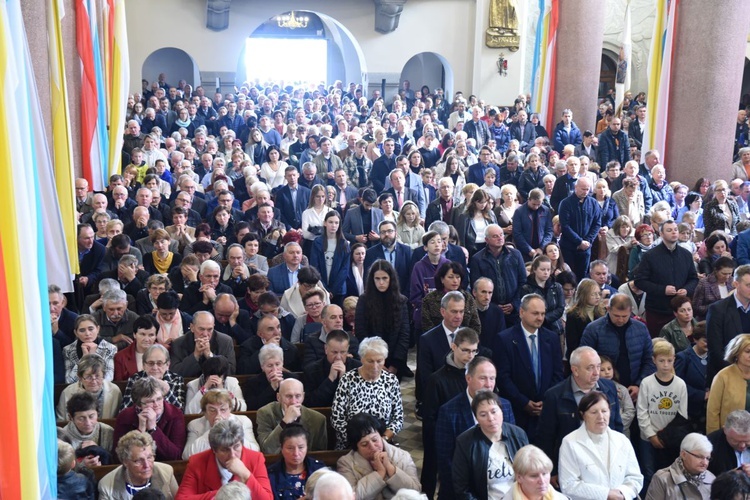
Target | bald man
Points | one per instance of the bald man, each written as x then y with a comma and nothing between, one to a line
580,220
287,410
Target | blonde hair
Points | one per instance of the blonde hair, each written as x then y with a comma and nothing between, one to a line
663,347
735,347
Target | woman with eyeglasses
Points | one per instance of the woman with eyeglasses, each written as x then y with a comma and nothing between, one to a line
688,476
152,415
721,212
156,365
91,370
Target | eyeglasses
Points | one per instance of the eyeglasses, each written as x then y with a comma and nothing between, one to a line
468,351
313,304
152,364
154,401
142,462
699,457
92,378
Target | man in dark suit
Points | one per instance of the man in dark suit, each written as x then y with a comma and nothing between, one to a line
731,444
532,226
560,414
230,319
401,192
90,258
383,165
455,417
726,319
476,172
268,331
435,344
580,222
398,254
201,343
200,295
523,131
491,317
361,223
443,386
292,199
442,206
529,362
344,192
587,147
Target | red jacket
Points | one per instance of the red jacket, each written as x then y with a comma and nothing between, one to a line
202,479
125,364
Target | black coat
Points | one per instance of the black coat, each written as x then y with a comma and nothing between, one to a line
319,390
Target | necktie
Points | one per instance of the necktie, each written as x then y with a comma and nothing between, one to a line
330,167
535,360
400,197
453,337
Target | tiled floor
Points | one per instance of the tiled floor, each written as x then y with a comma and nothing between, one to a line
410,437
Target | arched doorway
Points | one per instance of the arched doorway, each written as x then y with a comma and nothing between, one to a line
607,73
343,57
428,68
176,63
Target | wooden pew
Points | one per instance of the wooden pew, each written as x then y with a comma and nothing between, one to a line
327,457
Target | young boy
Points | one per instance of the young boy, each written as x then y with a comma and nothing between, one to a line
70,484
136,160
661,397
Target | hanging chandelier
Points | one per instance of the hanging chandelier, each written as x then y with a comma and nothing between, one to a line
291,21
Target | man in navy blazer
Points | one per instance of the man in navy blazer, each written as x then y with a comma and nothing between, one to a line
361,223
434,345
580,221
290,208
90,257
532,226
398,187
284,275
455,417
518,380
476,172
399,255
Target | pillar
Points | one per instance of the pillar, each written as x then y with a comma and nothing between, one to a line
705,89
579,58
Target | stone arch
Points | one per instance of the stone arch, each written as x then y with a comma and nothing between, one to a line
428,68
176,63
346,60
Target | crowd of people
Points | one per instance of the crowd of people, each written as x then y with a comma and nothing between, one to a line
578,319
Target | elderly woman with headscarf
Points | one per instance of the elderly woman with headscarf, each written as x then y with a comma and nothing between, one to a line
137,453
91,379
370,389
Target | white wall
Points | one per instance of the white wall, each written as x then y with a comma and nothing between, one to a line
176,63
450,33
423,69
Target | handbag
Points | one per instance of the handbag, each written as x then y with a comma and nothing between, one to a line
316,230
